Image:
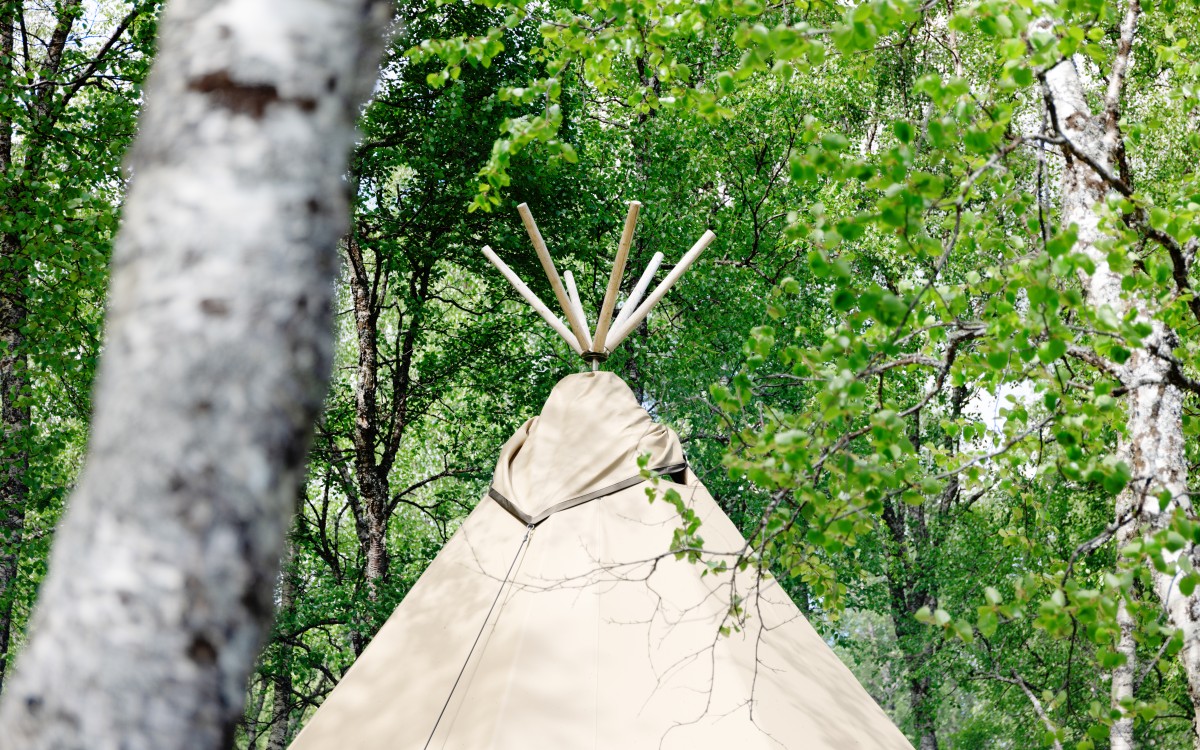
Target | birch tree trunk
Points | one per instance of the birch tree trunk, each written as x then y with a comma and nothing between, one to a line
217,356
1152,444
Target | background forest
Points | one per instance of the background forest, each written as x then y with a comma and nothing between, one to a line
940,364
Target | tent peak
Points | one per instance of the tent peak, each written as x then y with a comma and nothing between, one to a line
595,348
588,437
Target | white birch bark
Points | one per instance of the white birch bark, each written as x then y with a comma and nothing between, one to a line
1152,445
216,361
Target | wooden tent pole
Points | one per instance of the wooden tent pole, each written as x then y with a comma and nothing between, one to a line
573,294
535,236
614,279
572,291
640,314
532,299
636,295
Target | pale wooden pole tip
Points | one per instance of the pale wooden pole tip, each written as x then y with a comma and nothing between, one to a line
614,279
637,316
609,332
556,284
538,306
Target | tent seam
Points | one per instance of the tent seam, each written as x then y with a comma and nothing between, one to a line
533,521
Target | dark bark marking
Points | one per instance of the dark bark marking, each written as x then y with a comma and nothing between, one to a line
295,450
258,598
245,98
202,651
248,99
216,307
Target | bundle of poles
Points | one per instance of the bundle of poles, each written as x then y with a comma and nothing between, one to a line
596,348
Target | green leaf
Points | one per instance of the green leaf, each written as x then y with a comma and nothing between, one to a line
988,624
1049,351
725,82
843,299
1187,584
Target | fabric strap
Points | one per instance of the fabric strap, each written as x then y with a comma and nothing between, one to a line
529,520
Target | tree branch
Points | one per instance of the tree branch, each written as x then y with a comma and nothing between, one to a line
1038,708
67,13
399,496
1083,354
98,58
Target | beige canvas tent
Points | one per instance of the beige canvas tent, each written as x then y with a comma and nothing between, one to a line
557,618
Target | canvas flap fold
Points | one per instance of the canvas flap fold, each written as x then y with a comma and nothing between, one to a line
588,437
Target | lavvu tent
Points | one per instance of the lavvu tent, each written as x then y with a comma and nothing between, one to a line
558,617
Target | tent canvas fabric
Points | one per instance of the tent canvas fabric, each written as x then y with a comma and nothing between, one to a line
582,631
